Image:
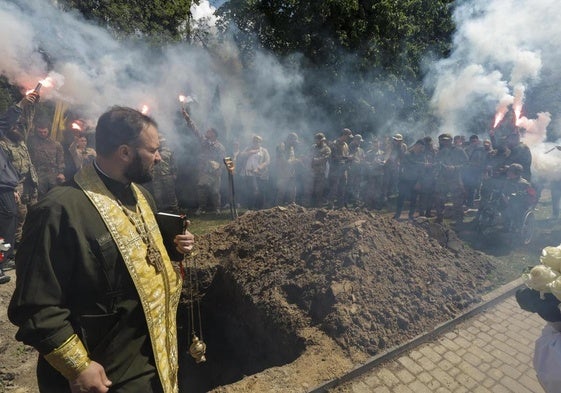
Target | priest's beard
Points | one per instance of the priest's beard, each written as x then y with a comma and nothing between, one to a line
139,173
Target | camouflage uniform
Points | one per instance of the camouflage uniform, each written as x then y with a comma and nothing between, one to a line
209,169
355,172
338,166
48,158
450,161
320,156
17,152
374,195
162,185
27,187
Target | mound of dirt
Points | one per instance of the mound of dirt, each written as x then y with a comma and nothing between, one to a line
365,280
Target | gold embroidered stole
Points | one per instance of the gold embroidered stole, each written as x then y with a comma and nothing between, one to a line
159,292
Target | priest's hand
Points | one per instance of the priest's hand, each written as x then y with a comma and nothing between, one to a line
92,379
184,243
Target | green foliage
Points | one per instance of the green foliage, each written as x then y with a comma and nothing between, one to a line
9,94
371,44
156,20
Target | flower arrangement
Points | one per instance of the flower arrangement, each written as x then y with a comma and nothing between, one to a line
546,277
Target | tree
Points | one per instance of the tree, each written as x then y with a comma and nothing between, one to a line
371,45
157,20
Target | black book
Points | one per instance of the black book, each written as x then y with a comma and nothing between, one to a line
170,225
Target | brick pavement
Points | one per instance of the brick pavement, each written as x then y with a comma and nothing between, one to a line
490,352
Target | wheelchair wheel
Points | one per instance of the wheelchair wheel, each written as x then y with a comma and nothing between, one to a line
528,227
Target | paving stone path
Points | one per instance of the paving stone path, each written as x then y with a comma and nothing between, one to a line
489,352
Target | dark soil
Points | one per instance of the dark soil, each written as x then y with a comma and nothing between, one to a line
366,281
295,297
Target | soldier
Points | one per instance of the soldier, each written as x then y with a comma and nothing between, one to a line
374,175
450,161
14,146
74,128
287,169
255,171
355,170
506,126
18,186
520,154
460,141
47,157
497,162
473,171
427,178
320,156
162,186
409,176
519,196
209,167
391,167
338,166
81,153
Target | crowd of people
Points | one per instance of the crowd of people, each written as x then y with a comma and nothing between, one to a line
379,173
37,161
382,172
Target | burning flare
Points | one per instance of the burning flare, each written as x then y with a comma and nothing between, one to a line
517,114
144,109
499,116
76,126
47,82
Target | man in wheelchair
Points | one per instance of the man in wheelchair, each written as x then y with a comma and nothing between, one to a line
518,196
505,199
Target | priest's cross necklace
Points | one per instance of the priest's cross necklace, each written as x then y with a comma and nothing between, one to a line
153,255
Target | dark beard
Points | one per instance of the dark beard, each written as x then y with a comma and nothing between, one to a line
136,173
14,135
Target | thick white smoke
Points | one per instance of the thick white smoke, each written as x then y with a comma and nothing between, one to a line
503,49
93,71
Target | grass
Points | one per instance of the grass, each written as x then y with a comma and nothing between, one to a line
206,223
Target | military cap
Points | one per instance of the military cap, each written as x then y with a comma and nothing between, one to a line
292,137
445,137
397,137
319,136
